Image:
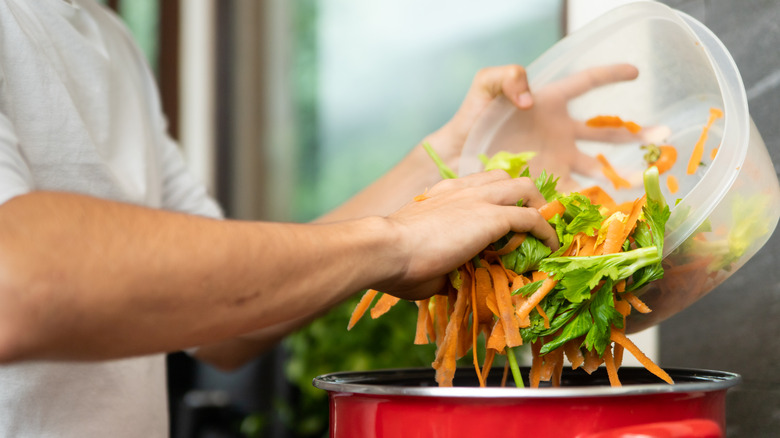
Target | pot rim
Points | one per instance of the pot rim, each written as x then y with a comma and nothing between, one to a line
370,383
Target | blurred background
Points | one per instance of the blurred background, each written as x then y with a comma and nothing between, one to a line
286,108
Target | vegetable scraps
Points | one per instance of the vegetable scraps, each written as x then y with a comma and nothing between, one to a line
698,149
572,303
612,122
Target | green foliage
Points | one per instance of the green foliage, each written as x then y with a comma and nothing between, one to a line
325,346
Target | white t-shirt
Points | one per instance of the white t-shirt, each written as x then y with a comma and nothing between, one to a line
79,112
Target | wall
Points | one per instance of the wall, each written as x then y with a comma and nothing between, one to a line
735,328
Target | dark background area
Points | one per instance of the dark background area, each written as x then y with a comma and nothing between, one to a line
736,327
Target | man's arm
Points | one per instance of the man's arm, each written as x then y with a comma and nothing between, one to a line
83,278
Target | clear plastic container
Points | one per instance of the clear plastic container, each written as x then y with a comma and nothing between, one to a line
724,212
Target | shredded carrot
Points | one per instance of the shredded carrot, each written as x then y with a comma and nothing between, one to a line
698,149
536,298
636,303
672,184
489,356
609,361
551,366
504,300
606,168
713,153
440,312
612,122
514,242
422,197
423,315
613,243
598,196
536,364
383,305
592,361
484,290
620,338
506,374
497,339
663,157
633,216
574,352
549,210
446,355
362,306
543,315
474,332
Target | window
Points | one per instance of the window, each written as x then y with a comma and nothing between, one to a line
376,77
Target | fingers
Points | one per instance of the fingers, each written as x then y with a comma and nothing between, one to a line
530,220
499,188
586,80
509,80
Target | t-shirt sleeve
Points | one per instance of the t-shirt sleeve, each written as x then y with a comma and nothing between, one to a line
181,190
15,176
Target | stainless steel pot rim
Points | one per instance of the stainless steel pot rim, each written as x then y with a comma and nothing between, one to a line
370,383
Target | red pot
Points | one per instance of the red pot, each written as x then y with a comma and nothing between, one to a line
407,403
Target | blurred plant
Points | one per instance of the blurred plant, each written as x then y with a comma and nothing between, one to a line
325,346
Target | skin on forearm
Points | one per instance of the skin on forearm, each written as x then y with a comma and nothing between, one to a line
83,279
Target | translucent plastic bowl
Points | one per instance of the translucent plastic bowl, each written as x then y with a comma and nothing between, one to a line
722,214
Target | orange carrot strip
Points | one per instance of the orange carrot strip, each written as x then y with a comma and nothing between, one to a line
514,242
362,306
609,361
632,127
497,339
543,315
422,197
552,364
592,361
613,243
636,303
588,245
489,356
606,168
667,159
383,305
672,184
538,275
464,334
549,210
620,338
698,149
534,376
484,291
474,332
713,153
558,368
574,352
633,217
440,313
623,307
506,374
446,355
430,328
535,298
423,314
505,308
617,355
612,122
598,196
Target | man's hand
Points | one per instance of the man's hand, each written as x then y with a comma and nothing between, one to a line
460,218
